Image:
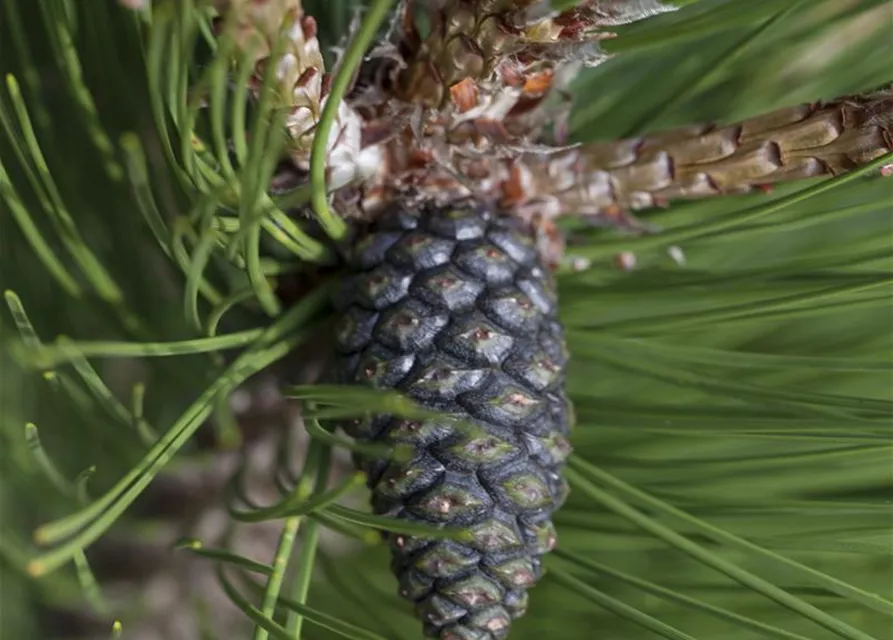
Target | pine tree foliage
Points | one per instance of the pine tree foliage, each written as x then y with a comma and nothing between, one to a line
731,380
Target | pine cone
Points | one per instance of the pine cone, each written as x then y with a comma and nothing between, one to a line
510,43
451,308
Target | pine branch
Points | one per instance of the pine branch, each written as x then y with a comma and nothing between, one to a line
607,181
699,161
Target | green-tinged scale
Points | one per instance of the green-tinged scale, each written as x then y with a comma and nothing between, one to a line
450,306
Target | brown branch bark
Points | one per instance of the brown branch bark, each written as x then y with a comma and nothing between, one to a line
805,141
